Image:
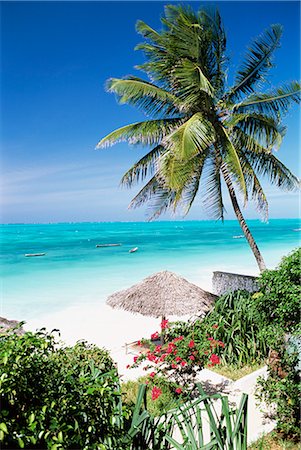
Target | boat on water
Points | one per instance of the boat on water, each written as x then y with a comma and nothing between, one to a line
29,255
107,245
297,229
240,236
133,250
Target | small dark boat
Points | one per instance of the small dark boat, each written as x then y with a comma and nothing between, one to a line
107,245
133,250
34,254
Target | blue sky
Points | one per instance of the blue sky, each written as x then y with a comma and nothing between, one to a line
56,57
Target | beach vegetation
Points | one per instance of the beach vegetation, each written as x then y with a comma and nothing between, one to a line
169,397
280,291
57,397
274,441
178,359
205,137
282,387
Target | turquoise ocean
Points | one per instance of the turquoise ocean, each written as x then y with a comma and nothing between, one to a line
74,271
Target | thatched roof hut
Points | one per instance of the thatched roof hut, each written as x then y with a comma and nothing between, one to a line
163,294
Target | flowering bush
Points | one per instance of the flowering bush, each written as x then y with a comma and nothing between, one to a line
178,360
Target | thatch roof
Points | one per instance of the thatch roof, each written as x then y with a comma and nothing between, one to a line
9,325
163,294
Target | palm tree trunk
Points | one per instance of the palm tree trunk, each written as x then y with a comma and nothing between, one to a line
242,222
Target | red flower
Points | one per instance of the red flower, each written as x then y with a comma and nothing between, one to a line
135,358
221,344
191,344
152,374
178,359
183,363
174,366
155,336
128,366
214,359
215,326
178,391
210,339
158,348
164,324
192,357
139,343
180,338
156,392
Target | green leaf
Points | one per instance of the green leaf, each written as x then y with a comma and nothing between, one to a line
3,427
191,138
257,61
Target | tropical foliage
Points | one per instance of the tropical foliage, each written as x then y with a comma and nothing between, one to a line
282,388
202,132
179,358
69,398
57,397
279,301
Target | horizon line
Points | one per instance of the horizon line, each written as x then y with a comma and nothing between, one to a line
144,221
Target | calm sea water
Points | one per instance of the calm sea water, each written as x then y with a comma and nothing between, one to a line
74,271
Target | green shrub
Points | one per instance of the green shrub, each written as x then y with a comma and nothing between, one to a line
282,387
236,323
281,293
57,397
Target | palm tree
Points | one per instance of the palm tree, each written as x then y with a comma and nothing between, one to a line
202,134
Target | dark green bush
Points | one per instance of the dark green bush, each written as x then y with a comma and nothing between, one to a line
281,292
57,397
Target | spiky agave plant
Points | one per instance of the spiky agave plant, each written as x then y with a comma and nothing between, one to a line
202,131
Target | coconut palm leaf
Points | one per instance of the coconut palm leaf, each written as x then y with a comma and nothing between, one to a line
147,32
191,83
143,168
211,19
147,133
267,165
144,95
265,130
257,62
274,103
211,188
254,187
191,138
231,159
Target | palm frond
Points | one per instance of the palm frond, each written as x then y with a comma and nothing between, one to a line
150,132
267,165
257,62
142,168
231,159
159,197
144,95
264,129
191,138
147,32
190,84
244,141
274,103
211,188
211,19
146,193
254,187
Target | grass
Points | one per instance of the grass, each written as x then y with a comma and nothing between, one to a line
235,373
273,441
